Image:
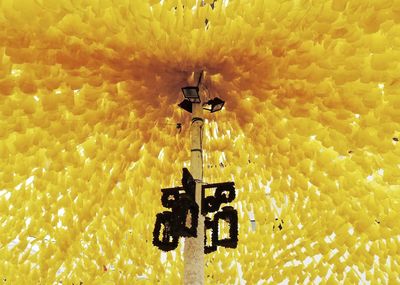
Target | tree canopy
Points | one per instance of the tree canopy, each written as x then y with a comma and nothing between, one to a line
309,133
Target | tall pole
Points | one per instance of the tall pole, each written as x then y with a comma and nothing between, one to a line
194,247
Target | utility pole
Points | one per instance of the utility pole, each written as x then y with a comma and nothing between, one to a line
190,207
193,273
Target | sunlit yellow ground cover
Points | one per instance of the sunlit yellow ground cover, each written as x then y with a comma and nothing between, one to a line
309,134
